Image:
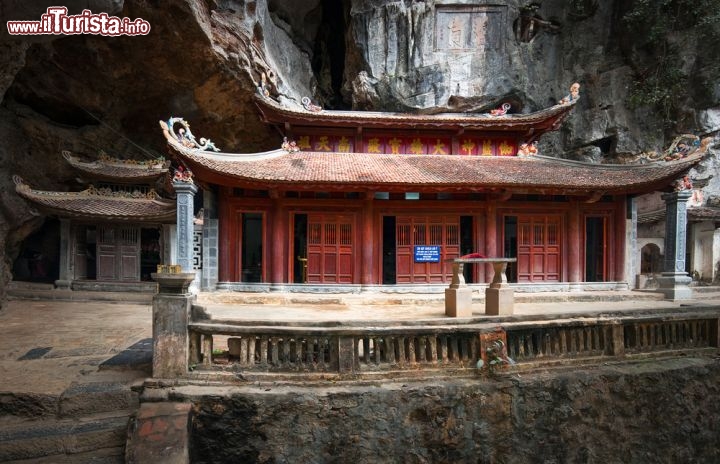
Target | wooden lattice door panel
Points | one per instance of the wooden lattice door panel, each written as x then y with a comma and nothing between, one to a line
539,253
80,252
118,253
129,247
330,240
107,265
411,231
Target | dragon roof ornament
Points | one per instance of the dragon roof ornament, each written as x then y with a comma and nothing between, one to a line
184,136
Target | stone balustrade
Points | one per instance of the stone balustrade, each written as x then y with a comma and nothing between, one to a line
190,345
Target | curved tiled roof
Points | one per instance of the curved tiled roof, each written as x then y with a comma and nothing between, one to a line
704,213
544,120
363,171
92,204
119,170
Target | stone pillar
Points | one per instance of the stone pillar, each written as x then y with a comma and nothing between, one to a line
210,244
185,192
170,244
674,280
632,264
171,314
67,259
458,296
499,296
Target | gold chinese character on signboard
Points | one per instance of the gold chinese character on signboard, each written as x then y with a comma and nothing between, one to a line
304,142
439,148
416,147
374,145
344,145
486,148
468,146
323,144
505,148
395,144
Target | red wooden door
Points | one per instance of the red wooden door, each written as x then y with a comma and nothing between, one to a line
330,239
412,231
539,257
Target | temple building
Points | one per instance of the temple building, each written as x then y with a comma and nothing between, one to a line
114,233
367,200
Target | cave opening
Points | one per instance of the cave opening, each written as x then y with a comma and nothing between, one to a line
328,62
39,257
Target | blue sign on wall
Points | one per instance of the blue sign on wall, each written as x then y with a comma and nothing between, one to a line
427,253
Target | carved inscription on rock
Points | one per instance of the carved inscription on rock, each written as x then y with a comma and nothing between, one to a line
469,28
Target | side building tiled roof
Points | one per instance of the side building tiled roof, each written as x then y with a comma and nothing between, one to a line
362,171
97,204
115,170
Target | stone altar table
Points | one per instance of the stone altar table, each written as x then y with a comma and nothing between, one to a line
499,299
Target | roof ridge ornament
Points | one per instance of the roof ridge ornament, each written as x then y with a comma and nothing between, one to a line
289,146
682,146
184,135
572,96
308,105
501,110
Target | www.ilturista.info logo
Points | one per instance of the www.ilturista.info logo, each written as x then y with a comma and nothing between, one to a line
57,21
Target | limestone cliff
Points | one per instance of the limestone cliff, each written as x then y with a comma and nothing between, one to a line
203,58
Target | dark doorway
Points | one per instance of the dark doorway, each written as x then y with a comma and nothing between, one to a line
595,263
510,246
300,247
149,252
388,251
467,245
251,247
39,259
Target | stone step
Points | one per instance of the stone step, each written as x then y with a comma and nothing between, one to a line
78,400
114,455
74,295
394,299
33,439
706,289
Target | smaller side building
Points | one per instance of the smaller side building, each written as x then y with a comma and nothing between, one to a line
114,233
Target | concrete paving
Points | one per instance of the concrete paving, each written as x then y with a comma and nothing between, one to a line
48,346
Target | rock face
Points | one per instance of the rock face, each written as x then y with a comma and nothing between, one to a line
203,59
645,412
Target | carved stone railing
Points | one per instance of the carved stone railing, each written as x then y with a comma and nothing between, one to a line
342,350
411,349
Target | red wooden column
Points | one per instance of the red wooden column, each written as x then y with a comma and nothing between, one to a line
279,239
491,234
368,244
574,255
480,222
620,228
